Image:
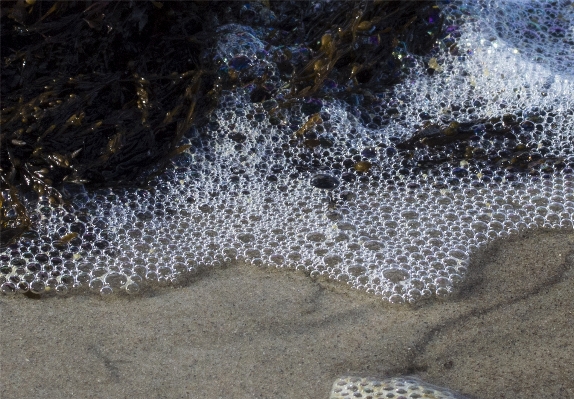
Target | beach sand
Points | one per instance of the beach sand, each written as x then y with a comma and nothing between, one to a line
248,332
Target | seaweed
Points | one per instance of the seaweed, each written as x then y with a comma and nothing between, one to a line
100,93
361,47
95,93
502,142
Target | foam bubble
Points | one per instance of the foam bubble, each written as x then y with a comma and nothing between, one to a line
398,387
328,188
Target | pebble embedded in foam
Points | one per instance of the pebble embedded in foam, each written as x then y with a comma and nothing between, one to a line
381,222
397,387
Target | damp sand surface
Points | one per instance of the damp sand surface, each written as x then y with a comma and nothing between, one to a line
248,332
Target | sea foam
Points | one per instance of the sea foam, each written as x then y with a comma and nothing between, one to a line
349,204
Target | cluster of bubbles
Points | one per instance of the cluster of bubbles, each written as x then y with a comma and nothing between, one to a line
397,388
541,32
325,186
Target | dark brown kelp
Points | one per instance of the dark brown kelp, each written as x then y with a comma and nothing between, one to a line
100,93
94,92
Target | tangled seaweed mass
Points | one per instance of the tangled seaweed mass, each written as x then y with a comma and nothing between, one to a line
388,191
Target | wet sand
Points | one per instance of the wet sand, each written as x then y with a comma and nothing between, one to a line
247,332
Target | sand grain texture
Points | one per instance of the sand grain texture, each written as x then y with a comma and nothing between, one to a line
244,332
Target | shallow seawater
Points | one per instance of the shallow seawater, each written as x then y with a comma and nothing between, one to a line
324,186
